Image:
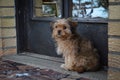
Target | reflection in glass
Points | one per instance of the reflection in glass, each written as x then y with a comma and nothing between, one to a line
90,8
47,8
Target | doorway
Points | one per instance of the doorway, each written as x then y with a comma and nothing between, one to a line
34,34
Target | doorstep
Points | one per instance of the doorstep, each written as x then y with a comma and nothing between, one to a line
47,62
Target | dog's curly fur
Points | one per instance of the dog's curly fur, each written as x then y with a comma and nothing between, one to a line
78,52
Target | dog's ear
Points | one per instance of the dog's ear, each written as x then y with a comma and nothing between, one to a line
72,23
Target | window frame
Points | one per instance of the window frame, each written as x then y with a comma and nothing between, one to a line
66,13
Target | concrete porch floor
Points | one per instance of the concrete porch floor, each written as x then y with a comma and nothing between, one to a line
46,62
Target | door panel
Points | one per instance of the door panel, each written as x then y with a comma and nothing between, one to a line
39,39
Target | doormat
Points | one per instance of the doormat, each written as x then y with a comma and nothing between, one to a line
10,70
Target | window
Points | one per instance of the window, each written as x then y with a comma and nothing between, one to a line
47,8
89,9
76,9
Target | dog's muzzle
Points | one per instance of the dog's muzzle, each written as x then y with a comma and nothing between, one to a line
59,32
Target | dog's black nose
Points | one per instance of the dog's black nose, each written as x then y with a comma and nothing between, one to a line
59,32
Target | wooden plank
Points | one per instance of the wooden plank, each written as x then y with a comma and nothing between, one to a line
10,51
38,12
37,3
1,53
8,32
0,43
113,75
114,0
114,12
114,28
7,12
0,32
9,42
6,2
8,22
61,60
114,44
114,60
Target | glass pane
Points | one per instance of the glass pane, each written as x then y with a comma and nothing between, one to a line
47,8
90,8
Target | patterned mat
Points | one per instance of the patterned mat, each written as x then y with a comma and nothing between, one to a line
15,71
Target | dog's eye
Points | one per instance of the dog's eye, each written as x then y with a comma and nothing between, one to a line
64,27
55,26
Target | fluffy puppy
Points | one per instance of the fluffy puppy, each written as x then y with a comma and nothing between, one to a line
78,52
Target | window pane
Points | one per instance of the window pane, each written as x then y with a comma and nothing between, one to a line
90,8
47,8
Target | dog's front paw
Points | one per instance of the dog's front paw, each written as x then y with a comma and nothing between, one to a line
64,67
59,51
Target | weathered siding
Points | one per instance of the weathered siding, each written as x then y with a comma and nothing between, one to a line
7,27
114,40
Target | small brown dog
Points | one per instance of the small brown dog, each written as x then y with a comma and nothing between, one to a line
78,52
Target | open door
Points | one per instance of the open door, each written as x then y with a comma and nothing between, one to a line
33,30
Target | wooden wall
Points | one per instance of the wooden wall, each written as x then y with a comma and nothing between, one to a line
7,27
114,40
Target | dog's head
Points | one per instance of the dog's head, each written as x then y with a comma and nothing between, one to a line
63,28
